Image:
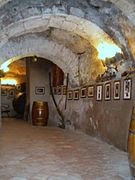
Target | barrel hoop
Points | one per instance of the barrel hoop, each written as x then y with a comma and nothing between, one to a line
132,131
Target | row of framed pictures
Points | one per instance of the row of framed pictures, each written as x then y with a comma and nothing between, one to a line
101,91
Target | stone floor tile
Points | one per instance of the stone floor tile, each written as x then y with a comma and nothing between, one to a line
48,153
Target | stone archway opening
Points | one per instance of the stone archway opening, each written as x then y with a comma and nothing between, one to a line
32,76
71,42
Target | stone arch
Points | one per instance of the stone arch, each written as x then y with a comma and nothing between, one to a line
16,40
36,46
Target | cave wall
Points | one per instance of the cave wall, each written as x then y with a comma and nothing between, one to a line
107,120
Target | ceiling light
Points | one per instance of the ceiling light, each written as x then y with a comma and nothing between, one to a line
106,50
8,81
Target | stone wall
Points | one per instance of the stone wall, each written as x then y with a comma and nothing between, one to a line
107,120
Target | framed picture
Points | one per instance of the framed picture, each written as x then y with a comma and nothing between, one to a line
70,95
107,92
116,90
76,94
90,90
40,90
55,90
83,92
11,92
127,86
3,91
59,90
99,92
64,90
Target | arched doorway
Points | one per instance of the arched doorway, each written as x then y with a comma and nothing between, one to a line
32,83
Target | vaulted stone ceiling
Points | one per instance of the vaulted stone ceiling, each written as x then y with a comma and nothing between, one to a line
55,24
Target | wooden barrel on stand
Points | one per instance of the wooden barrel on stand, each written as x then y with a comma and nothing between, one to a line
40,113
131,144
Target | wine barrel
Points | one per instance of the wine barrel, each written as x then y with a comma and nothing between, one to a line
131,144
40,113
19,102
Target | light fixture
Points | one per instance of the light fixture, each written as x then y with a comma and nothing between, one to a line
8,81
4,67
107,50
35,59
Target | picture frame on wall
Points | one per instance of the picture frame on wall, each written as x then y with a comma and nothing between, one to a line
11,93
99,92
116,90
83,92
39,90
76,94
127,87
107,92
70,95
55,90
59,90
64,90
3,91
90,90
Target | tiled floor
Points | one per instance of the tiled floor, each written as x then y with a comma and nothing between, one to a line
46,153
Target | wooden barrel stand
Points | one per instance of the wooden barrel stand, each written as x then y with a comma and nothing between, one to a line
40,113
131,144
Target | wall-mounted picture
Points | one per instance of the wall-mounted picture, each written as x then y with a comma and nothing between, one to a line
83,92
55,90
116,90
99,92
59,90
107,91
91,91
76,94
64,90
40,90
4,92
11,92
70,95
127,85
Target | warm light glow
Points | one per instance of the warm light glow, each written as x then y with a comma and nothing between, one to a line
8,81
5,67
106,50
